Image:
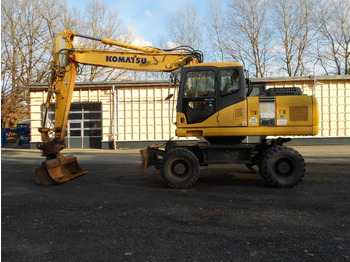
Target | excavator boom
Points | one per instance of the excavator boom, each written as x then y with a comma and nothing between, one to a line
59,168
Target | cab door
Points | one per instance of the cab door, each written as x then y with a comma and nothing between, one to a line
232,103
198,95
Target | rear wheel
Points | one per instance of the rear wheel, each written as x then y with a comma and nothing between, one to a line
282,166
180,168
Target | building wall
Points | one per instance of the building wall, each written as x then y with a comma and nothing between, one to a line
143,115
37,99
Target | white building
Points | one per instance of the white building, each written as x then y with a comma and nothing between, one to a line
135,114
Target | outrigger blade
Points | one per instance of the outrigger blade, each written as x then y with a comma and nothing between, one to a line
149,156
145,160
58,170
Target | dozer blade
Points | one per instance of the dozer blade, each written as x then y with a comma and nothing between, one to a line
58,170
145,160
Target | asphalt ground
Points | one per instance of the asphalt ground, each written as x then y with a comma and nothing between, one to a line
114,213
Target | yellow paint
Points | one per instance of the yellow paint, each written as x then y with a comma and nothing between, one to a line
235,115
289,119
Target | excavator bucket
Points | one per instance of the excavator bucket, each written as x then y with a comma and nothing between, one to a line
58,170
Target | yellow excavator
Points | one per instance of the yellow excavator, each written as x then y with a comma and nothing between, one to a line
213,103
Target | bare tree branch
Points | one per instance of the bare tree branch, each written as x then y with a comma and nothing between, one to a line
249,34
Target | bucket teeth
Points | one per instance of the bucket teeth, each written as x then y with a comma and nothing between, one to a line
58,170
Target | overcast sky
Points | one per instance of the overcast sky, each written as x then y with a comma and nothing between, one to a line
146,17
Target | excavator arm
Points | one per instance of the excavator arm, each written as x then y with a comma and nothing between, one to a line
59,168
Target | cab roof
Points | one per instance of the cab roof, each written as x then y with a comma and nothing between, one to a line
216,64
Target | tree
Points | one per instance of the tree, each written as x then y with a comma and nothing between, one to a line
334,48
184,27
101,23
293,21
25,52
249,38
29,32
216,31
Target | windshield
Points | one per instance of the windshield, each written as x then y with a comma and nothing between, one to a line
199,84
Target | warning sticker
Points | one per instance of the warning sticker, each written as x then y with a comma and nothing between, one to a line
253,121
282,122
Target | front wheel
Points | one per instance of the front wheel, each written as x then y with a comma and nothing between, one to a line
180,168
282,167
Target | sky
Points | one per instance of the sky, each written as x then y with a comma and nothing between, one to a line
147,18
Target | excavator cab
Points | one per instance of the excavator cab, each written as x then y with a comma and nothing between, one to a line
207,88
206,91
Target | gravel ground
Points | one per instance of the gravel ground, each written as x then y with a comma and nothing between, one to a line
114,213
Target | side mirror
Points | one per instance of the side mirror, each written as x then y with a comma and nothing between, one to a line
170,80
175,76
169,97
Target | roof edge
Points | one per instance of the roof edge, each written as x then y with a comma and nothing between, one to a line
107,84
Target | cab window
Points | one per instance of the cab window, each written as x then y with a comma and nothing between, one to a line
229,81
200,84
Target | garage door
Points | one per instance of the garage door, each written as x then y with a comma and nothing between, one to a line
84,128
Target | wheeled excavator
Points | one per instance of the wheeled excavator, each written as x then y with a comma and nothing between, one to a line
213,104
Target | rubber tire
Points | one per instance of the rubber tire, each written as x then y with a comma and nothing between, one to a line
183,160
282,167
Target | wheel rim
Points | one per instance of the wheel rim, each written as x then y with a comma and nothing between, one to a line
179,168
284,167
